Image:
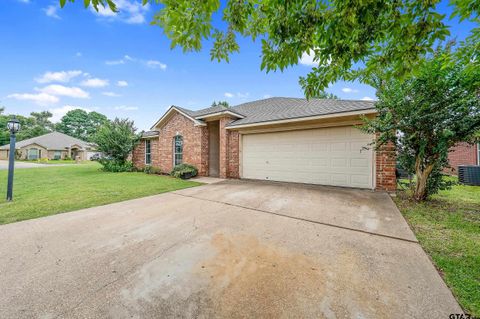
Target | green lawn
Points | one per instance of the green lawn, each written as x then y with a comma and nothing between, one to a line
46,191
448,228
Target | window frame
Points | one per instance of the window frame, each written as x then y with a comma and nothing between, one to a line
32,149
148,154
175,138
59,153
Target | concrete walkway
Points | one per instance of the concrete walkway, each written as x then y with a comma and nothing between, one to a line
232,249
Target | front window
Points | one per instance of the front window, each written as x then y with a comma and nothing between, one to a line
177,150
33,154
57,155
148,152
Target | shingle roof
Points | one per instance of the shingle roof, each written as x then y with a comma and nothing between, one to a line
51,141
150,133
280,108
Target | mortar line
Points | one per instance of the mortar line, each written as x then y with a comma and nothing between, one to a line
301,219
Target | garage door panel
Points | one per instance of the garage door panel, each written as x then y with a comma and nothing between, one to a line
328,156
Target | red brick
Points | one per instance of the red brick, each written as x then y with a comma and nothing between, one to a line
462,154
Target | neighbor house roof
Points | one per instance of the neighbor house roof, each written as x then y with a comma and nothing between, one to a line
51,141
276,109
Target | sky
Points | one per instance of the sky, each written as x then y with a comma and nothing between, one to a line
119,65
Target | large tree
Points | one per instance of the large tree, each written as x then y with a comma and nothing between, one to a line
425,115
116,140
81,124
38,123
349,39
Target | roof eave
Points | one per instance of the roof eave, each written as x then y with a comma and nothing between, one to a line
220,113
232,126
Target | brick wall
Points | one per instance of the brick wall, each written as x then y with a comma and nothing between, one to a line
229,151
233,154
462,154
138,155
385,168
195,146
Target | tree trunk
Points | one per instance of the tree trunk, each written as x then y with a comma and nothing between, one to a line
422,174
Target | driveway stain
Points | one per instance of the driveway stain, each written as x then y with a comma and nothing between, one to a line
241,276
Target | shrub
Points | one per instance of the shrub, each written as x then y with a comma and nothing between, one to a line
149,169
114,166
184,171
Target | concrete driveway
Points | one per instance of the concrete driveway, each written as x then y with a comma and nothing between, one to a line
20,165
235,249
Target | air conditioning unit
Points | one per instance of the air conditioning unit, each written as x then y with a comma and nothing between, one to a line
469,175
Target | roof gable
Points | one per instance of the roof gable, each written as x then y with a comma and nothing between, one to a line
164,119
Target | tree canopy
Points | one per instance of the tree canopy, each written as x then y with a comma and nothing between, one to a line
38,123
349,39
116,140
221,103
81,124
425,115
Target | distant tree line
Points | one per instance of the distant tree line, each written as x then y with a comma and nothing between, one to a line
77,123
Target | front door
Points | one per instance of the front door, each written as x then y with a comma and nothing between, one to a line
214,145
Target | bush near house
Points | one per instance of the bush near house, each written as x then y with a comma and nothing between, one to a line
184,171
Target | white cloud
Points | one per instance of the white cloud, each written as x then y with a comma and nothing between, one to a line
60,90
24,1
114,62
156,64
125,108
62,76
78,54
51,11
111,94
59,112
267,96
131,12
237,95
307,59
349,90
367,98
122,83
95,83
38,98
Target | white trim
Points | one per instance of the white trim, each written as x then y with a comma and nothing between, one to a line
174,147
300,119
170,110
220,113
478,153
145,141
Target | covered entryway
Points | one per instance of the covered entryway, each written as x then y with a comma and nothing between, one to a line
325,156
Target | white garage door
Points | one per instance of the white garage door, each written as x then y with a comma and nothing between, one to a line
327,156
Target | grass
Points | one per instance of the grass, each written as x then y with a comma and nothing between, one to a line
41,192
448,228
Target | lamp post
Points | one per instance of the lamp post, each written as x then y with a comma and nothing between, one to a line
13,126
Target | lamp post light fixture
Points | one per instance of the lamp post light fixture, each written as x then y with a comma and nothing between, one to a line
13,126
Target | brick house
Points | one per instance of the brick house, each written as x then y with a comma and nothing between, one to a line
280,139
463,154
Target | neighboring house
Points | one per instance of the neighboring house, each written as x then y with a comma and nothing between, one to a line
463,154
280,139
53,146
